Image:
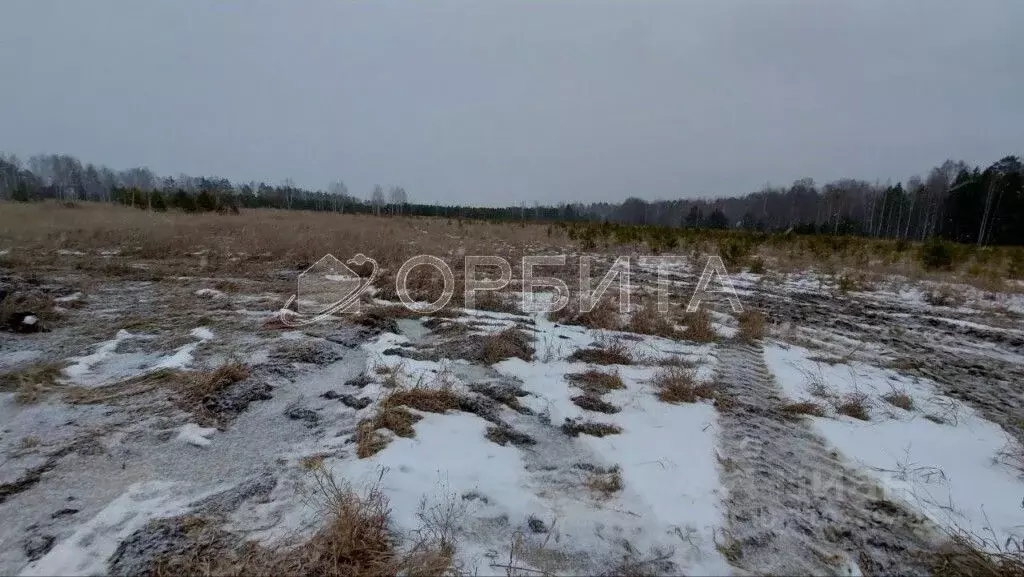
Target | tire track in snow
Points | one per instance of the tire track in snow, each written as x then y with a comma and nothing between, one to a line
793,506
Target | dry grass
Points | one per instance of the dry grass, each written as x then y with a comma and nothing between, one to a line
899,399
594,381
964,555
393,415
698,327
356,540
676,385
429,400
612,354
32,382
605,483
802,408
573,428
945,296
592,402
504,434
751,326
853,405
511,342
206,383
192,389
392,374
649,321
495,302
255,243
137,385
368,439
17,304
604,315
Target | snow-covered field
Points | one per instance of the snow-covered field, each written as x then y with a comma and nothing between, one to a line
909,430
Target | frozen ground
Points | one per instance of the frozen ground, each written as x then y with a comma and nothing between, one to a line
741,485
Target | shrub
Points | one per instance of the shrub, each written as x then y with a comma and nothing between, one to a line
649,321
751,326
935,255
698,327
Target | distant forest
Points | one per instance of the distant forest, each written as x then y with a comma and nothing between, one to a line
954,201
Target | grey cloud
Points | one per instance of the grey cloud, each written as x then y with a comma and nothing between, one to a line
499,102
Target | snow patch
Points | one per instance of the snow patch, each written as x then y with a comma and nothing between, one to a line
82,366
193,434
183,356
70,298
949,472
86,551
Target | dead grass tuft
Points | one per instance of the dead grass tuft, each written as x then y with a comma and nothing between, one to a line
425,399
613,354
853,405
369,440
676,385
945,296
605,483
964,555
573,428
393,415
604,315
597,382
17,305
592,402
137,385
32,382
802,408
495,302
194,391
398,420
206,383
368,436
751,326
382,318
504,434
649,321
698,327
899,399
357,540
511,342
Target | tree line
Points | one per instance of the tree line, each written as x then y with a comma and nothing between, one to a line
953,201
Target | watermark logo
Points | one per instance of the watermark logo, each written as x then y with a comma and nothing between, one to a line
326,288
330,287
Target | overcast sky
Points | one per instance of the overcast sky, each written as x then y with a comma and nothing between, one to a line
495,102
